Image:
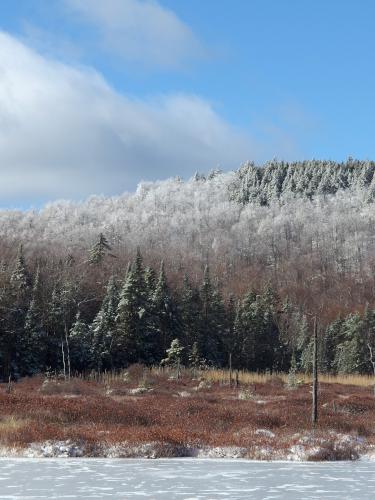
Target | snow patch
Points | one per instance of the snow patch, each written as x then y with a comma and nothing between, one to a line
222,452
265,432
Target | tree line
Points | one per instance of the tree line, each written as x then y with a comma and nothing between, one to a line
57,314
279,180
306,227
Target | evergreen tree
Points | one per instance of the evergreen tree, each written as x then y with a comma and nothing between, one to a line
131,324
174,356
34,338
55,341
15,316
369,334
196,362
163,317
352,352
80,345
20,278
103,328
212,322
190,311
99,250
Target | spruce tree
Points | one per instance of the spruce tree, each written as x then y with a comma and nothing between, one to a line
352,352
80,342
196,362
15,316
210,341
174,356
131,318
103,328
99,250
34,339
163,317
55,341
20,278
189,313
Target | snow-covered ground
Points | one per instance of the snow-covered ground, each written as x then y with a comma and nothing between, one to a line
183,479
304,447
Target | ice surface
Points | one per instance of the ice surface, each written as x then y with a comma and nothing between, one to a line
77,478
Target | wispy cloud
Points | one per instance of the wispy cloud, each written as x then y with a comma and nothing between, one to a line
140,31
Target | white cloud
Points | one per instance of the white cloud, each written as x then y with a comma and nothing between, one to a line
140,31
64,132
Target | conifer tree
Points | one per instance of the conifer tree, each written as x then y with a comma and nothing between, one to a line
80,345
99,250
55,340
212,329
16,313
163,316
150,281
131,324
189,312
33,344
103,328
20,278
352,352
196,362
174,356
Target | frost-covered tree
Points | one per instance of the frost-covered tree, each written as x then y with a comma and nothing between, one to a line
80,341
212,326
131,317
99,250
174,356
103,328
163,313
34,337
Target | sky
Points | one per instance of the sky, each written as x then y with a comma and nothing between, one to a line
96,96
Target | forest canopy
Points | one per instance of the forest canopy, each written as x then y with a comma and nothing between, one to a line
226,263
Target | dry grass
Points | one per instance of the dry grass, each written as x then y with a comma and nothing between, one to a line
246,378
104,409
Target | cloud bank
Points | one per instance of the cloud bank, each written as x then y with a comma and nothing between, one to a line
64,132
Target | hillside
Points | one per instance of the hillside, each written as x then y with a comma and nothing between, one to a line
248,257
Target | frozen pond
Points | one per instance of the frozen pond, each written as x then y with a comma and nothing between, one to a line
183,479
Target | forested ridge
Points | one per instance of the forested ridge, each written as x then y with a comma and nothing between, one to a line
229,264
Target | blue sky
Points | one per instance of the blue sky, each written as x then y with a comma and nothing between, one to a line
96,96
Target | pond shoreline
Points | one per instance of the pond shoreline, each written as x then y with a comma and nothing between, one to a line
310,449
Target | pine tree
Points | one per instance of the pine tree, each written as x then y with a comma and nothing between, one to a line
15,317
174,356
103,328
304,346
196,362
212,329
369,334
163,316
80,345
150,281
352,352
33,344
131,324
238,337
20,278
229,339
55,340
99,250
189,313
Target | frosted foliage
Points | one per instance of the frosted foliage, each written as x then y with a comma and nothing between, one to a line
203,217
